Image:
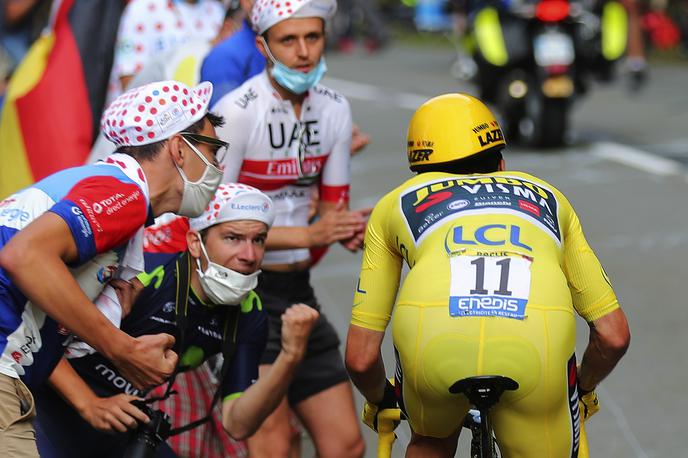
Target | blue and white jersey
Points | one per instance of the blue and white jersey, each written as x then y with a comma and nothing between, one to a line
105,206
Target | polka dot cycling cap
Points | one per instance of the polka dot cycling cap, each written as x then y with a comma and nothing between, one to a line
154,112
266,13
233,202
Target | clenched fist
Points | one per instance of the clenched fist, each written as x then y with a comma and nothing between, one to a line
297,324
150,362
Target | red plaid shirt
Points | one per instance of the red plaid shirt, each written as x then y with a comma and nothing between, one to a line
195,392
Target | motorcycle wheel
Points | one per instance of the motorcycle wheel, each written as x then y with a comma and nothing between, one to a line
545,121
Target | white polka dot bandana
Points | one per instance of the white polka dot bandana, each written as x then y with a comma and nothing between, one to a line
266,13
235,202
154,112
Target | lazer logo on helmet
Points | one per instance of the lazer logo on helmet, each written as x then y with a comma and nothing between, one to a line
419,155
492,136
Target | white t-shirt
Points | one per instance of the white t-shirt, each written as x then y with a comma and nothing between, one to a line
286,157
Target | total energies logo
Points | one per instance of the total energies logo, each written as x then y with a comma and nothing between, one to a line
99,206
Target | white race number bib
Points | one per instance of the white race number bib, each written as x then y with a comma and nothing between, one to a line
489,286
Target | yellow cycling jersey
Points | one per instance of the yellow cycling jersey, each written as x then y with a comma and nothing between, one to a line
501,244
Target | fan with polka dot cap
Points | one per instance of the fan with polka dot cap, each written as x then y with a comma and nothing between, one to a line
154,112
266,13
234,202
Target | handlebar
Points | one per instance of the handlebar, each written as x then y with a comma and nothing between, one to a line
387,421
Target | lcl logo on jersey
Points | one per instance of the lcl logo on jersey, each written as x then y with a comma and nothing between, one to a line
489,235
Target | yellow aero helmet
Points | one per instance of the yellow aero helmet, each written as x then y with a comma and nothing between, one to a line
451,127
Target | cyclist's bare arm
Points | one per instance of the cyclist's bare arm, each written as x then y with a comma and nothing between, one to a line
608,342
115,413
36,259
364,362
242,416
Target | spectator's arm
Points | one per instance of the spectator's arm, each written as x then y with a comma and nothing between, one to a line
242,416
115,413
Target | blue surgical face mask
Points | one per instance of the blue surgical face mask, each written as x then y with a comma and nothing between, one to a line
294,80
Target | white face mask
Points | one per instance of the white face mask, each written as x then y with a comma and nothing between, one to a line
197,195
222,285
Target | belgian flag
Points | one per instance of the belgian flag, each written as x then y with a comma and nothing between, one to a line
55,97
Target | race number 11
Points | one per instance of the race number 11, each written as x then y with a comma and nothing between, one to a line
489,286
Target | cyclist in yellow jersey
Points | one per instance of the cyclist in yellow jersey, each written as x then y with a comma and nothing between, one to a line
498,269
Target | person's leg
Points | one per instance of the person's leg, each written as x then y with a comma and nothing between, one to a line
546,422
432,447
330,418
17,410
274,437
542,417
636,62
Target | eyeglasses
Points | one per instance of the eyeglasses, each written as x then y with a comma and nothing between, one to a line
219,148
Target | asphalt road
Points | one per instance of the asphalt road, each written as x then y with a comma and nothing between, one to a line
624,173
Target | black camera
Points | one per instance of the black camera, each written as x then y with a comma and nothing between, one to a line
148,436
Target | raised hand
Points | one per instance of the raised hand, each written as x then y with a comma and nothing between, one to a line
297,324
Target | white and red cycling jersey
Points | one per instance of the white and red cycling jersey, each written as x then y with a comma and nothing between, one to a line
287,157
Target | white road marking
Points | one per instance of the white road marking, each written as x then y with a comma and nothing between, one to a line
621,420
636,158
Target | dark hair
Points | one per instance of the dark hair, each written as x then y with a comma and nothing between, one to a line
149,151
483,162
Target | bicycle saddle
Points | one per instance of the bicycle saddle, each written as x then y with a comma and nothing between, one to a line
484,391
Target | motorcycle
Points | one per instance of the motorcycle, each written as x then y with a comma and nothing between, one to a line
535,59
